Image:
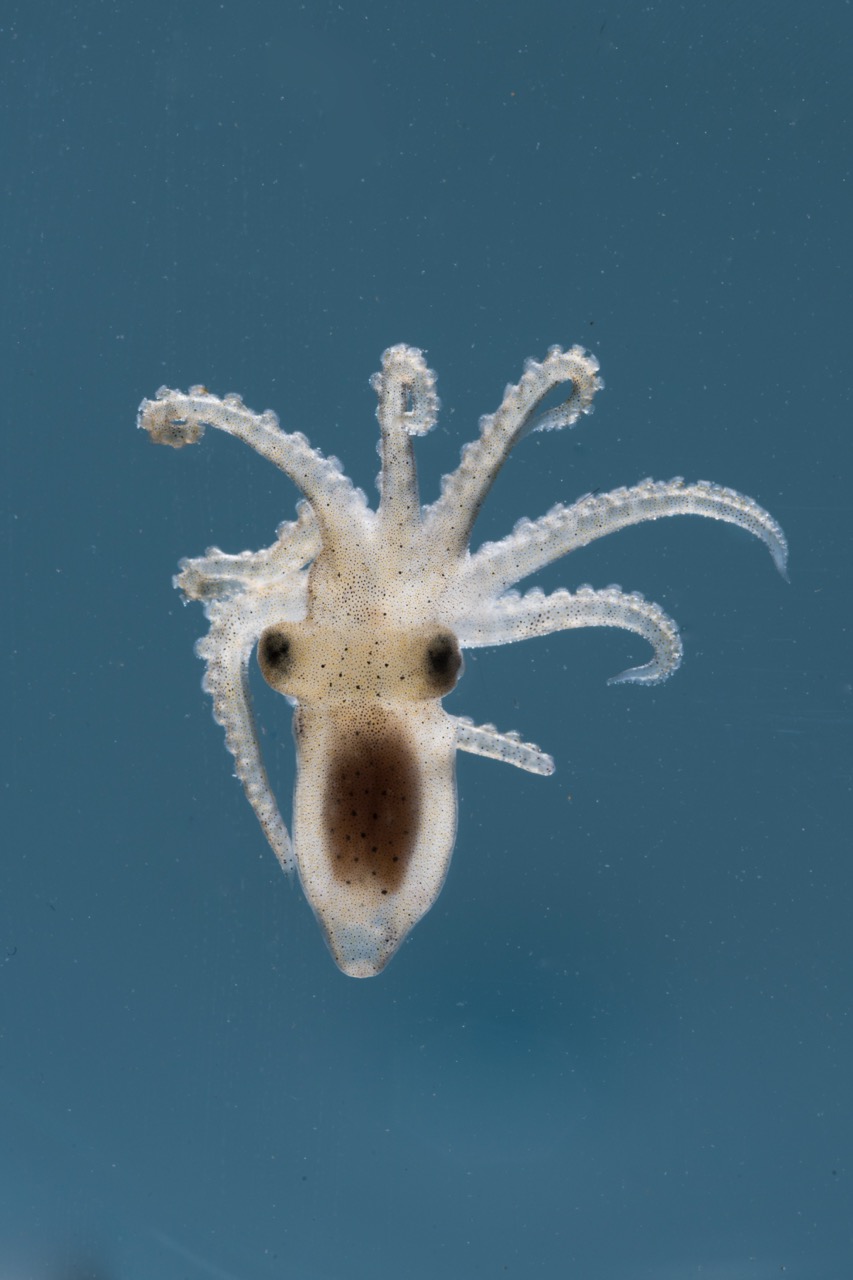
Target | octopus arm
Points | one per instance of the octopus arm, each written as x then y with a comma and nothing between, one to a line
235,626
177,419
535,543
408,406
217,575
463,492
486,740
515,617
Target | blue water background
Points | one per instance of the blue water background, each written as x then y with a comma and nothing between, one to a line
620,1046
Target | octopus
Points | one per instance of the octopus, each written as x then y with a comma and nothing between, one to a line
359,618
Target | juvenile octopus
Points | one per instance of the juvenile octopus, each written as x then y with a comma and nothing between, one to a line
359,618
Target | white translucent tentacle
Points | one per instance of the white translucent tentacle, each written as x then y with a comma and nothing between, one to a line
535,543
177,419
514,617
217,575
449,520
408,406
227,649
486,740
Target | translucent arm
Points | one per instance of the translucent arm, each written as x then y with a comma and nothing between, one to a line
218,575
535,543
226,649
463,492
514,617
485,740
177,420
408,406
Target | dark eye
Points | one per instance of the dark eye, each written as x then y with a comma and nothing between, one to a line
275,655
443,662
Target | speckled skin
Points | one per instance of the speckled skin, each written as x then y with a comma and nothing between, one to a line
358,617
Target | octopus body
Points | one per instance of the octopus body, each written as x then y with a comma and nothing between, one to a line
359,618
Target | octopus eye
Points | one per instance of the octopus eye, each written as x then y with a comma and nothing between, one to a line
275,656
443,662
